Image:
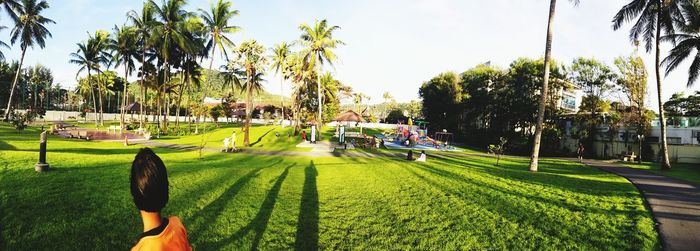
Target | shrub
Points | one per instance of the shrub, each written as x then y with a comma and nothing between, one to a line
20,121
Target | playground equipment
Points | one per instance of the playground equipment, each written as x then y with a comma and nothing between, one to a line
417,137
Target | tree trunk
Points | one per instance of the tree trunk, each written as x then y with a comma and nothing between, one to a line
99,86
179,101
545,88
320,104
125,94
211,64
282,98
143,83
94,99
665,163
14,85
248,112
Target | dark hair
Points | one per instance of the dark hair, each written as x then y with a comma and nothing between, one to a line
149,181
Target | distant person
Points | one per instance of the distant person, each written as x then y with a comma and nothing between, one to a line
303,135
580,152
149,189
233,140
226,145
409,156
422,157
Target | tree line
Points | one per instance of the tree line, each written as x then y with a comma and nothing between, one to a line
487,103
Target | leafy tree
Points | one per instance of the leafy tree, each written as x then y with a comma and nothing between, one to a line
215,112
396,116
440,96
29,30
12,7
652,17
545,87
595,79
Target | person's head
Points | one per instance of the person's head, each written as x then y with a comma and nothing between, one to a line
422,151
410,152
149,181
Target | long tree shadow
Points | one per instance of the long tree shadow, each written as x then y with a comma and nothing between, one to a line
261,137
217,206
259,224
307,226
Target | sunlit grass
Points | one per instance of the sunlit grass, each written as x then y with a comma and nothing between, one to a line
235,201
687,172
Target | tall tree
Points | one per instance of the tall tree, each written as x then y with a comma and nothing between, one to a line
632,79
3,44
29,30
142,22
216,21
85,58
124,50
250,58
319,43
653,16
170,37
280,55
545,86
687,42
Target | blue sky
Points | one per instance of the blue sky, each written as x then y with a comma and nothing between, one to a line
392,45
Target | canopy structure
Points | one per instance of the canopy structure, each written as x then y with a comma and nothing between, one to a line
133,107
349,116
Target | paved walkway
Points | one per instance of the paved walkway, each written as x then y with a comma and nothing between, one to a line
674,203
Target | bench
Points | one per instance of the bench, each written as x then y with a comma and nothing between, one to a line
627,156
114,128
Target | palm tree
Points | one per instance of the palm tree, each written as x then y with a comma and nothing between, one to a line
123,46
216,21
169,34
687,42
250,57
319,44
545,87
3,44
652,17
29,30
97,45
85,59
279,63
142,22
11,8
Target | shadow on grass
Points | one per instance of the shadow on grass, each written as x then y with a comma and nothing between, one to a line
307,226
211,211
261,137
548,175
501,204
259,223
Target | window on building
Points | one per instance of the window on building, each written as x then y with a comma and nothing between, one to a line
568,102
673,140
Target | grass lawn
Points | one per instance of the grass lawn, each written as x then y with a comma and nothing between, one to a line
229,201
261,137
687,172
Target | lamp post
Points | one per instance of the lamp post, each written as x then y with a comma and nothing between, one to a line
640,137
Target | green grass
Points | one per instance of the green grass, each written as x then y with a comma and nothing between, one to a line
233,201
687,172
261,137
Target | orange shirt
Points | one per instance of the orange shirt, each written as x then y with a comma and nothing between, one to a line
173,237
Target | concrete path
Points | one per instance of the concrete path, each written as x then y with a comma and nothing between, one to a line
675,204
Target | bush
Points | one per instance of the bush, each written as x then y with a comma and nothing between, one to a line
20,121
